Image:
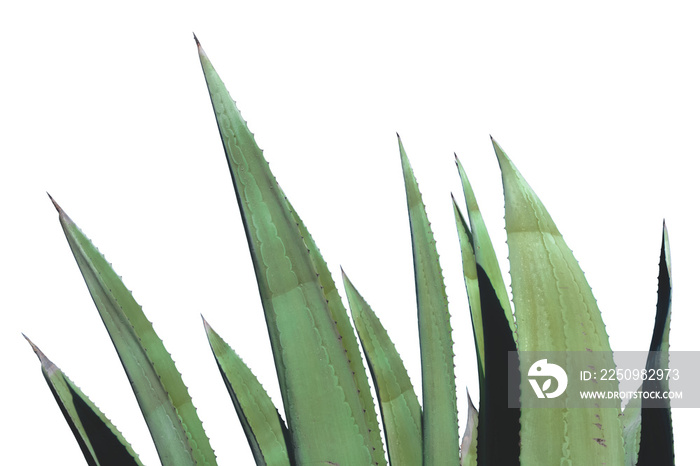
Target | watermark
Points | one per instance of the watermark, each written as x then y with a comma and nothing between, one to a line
590,379
548,372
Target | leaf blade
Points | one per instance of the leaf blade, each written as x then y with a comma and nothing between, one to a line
318,389
440,436
264,428
483,247
165,403
400,409
100,441
555,311
347,339
656,436
471,281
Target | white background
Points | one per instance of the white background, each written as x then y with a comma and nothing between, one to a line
104,106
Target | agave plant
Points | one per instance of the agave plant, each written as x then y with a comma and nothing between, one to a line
330,416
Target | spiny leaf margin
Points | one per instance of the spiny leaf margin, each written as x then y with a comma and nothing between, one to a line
166,405
440,436
100,441
318,390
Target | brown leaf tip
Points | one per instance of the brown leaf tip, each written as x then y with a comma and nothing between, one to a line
55,204
34,347
196,40
36,350
48,365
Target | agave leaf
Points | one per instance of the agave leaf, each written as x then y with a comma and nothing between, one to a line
162,396
347,338
662,324
263,426
499,428
483,248
471,281
555,311
493,330
320,395
100,441
469,440
440,437
401,412
647,423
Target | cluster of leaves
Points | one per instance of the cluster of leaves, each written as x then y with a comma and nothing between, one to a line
329,409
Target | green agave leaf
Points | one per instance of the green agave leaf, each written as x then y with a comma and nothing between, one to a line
483,247
647,423
266,432
471,281
499,425
440,437
321,399
100,441
347,339
555,311
469,440
401,412
468,455
162,396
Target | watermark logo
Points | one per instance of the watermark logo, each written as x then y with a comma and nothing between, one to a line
541,369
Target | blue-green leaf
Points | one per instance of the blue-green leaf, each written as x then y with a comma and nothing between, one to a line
264,428
440,436
100,441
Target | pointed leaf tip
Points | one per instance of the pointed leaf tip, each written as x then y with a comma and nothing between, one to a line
55,204
200,49
46,362
34,347
207,327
